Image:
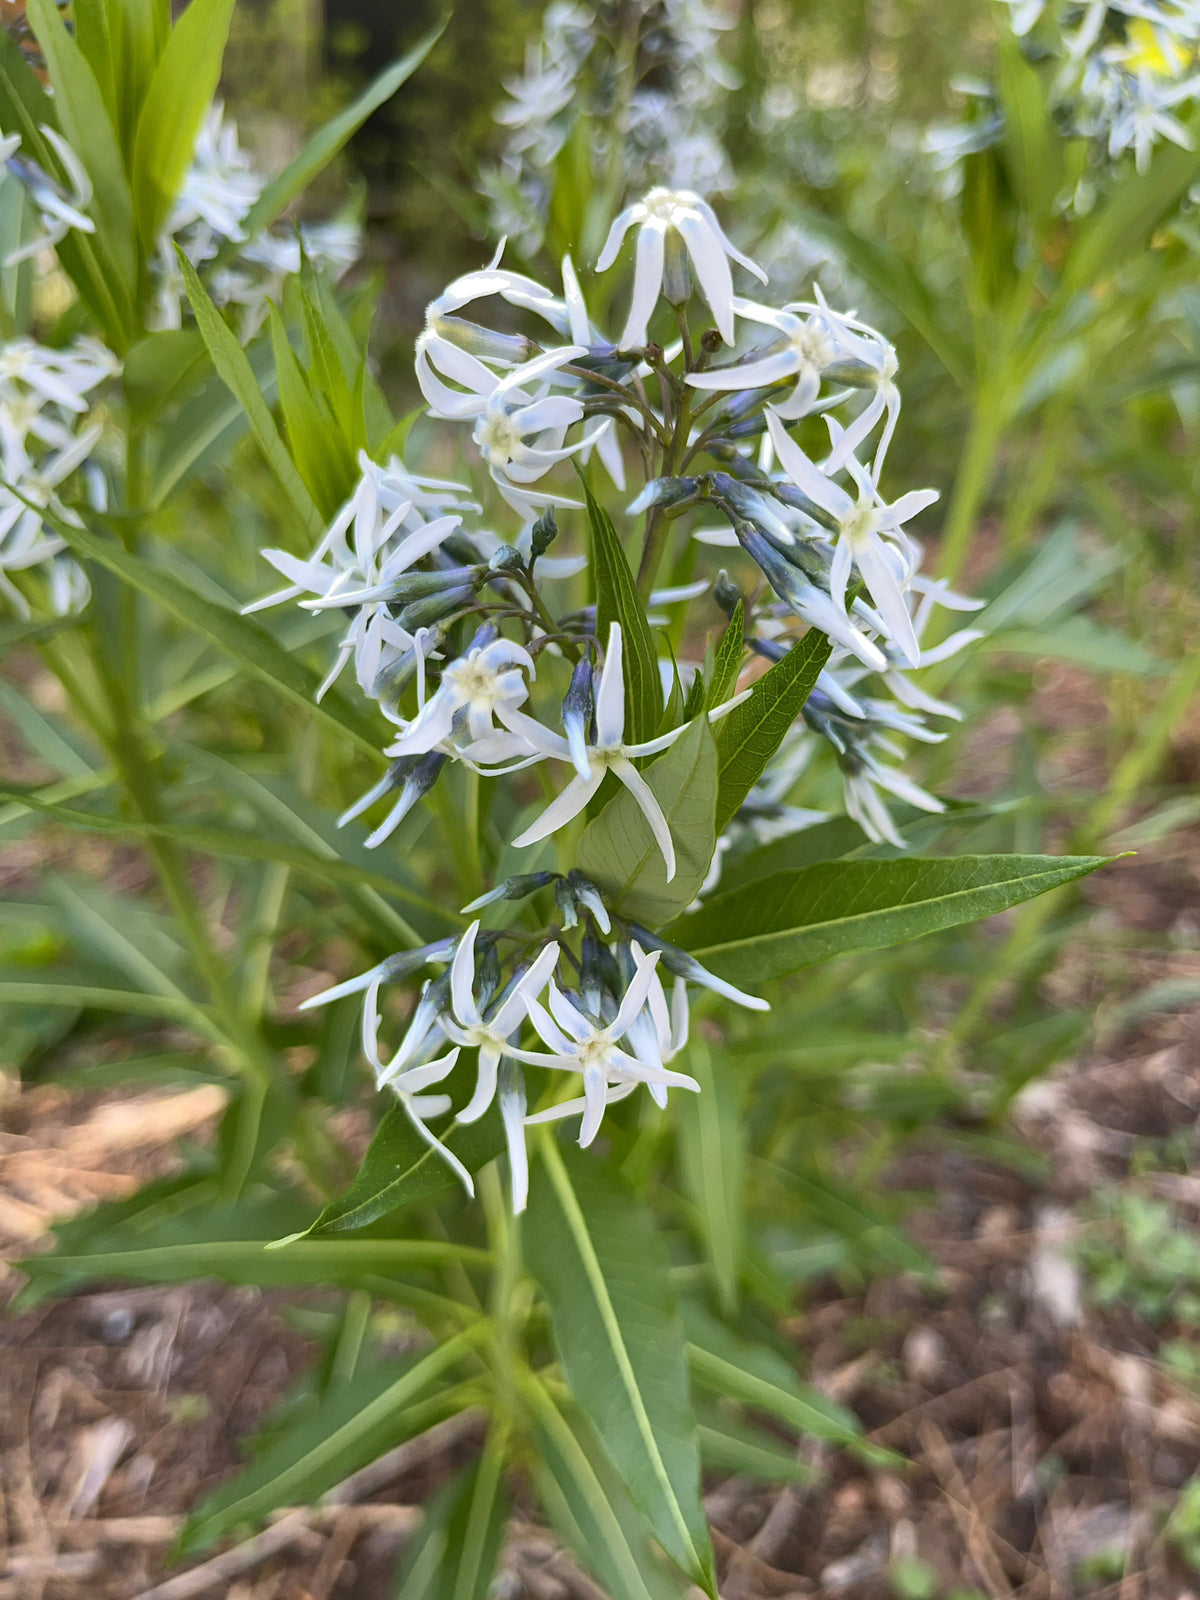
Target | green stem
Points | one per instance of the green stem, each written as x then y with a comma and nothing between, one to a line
972,481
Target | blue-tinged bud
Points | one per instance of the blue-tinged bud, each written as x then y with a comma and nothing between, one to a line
485,343
514,888
392,680
749,428
742,403
421,779
791,496
578,711
436,607
687,967
672,492
593,974
564,898
487,971
393,778
676,278
588,895
462,548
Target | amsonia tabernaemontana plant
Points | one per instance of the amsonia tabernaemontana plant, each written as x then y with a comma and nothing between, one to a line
514,758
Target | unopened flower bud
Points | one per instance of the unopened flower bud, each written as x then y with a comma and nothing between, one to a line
436,607
543,533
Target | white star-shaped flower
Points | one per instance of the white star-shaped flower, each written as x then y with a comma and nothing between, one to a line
578,1042
693,220
489,1029
608,753
867,531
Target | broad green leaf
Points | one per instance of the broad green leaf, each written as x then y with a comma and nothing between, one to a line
776,926
752,732
605,1272
95,41
881,266
233,365
727,662
232,1242
730,1447
139,30
618,851
323,457
345,1430
158,367
327,141
178,97
712,1144
617,600
1034,148
250,645
590,1508
399,1168
755,1375
457,1551
84,119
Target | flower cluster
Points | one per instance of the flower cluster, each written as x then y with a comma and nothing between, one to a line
1126,71
645,74
61,206
776,419
46,438
212,223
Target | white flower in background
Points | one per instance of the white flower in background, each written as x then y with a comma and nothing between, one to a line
60,210
578,1042
1147,117
868,534
221,184
609,753
378,534
483,684
490,1029
694,225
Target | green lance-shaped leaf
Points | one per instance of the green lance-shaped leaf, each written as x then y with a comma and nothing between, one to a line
456,1553
171,115
26,108
85,122
755,1375
617,600
330,139
712,1148
323,456
752,732
399,1168
233,364
619,853
230,1242
1032,145
727,662
346,1430
739,1447
778,925
250,645
588,1505
605,1272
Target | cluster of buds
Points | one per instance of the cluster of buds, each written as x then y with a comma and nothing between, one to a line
480,654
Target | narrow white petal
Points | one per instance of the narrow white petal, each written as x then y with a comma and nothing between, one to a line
650,809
